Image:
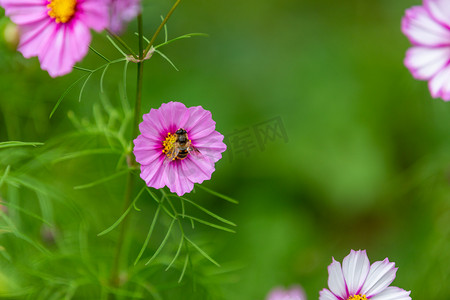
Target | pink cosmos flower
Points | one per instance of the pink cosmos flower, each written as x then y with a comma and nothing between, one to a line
56,31
122,12
428,29
294,293
358,280
177,147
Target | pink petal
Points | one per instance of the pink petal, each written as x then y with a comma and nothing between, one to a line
27,14
123,11
143,142
23,2
33,37
49,47
327,295
294,293
160,172
440,10
393,293
425,62
197,169
78,38
380,276
52,56
20,9
336,281
149,171
439,85
94,13
153,126
200,123
146,157
175,114
355,268
202,130
178,181
422,29
211,146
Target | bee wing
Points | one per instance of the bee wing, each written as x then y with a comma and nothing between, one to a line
195,152
171,155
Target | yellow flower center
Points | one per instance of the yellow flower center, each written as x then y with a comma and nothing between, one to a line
62,10
357,297
168,142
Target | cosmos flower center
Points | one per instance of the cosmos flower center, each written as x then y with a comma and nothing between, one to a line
169,143
357,297
62,10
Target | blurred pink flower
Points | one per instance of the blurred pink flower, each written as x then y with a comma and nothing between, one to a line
122,12
428,29
293,293
358,280
157,148
56,31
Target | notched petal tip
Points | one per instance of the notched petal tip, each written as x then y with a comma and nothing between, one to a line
355,268
381,275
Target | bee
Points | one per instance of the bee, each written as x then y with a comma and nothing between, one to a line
181,147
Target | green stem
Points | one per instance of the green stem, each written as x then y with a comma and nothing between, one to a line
115,279
161,26
140,73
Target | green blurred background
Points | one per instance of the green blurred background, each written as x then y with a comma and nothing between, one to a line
366,164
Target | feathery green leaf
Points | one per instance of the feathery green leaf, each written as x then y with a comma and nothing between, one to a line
122,216
208,212
210,224
9,144
184,268
149,234
166,58
106,179
163,243
202,252
218,194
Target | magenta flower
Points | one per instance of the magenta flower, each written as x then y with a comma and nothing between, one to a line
177,147
122,12
56,31
358,280
294,293
428,29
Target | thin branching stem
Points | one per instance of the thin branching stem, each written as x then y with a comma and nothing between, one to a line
99,54
140,73
161,26
121,42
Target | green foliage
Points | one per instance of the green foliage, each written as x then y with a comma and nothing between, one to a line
60,245
366,165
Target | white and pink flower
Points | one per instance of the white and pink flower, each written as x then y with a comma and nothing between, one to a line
293,293
358,280
428,29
